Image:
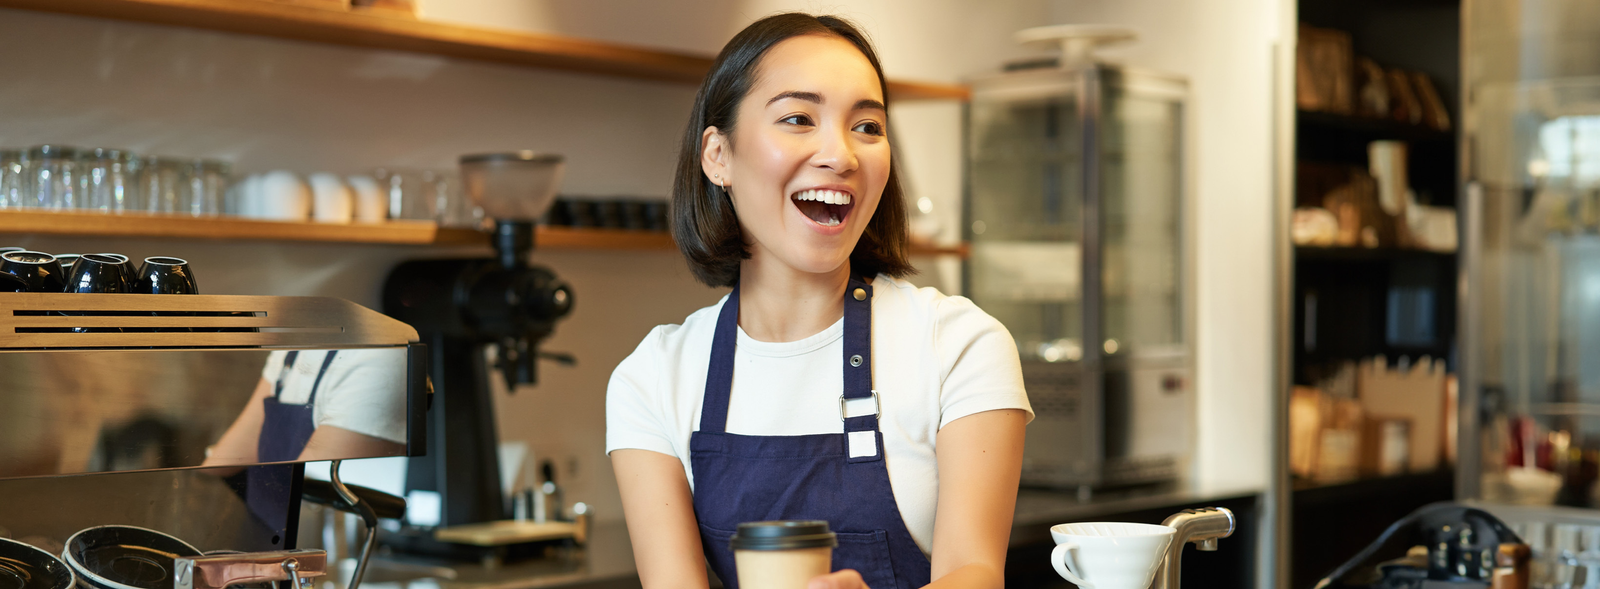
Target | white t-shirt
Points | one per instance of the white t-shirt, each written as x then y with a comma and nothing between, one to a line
364,391
935,359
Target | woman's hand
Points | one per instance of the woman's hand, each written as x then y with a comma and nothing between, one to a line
841,579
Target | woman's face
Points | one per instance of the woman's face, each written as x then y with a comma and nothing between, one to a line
809,156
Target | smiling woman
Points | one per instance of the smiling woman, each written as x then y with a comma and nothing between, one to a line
786,192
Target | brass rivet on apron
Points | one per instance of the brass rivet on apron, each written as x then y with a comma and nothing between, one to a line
861,294
855,361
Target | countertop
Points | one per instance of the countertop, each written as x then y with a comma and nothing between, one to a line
607,561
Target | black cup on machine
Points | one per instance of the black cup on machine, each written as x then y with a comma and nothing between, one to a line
165,275
66,261
39,270
98,273
130,272
9,283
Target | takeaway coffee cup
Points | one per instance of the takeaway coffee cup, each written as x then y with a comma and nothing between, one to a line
782,554
1109,555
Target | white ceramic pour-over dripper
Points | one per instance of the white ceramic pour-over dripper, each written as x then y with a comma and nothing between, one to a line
1109,555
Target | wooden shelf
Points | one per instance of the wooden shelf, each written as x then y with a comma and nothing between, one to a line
1311,252
236,229
304,22
391,233
1370,129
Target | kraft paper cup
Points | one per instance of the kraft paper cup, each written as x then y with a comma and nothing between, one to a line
782,554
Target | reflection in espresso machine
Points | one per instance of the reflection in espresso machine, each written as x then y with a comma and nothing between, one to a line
78,412
197,394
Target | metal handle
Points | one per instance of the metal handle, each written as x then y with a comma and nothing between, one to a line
368,517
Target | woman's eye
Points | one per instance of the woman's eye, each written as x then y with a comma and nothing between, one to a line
801,120
869,127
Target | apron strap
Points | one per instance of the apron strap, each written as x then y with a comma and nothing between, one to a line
719,375
321,372
288,365
861,432
283,373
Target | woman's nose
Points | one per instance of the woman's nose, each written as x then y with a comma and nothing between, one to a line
836,153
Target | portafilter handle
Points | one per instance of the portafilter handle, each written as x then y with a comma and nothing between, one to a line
1203,527
221,570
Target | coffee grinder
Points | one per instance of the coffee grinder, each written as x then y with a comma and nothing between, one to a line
461,308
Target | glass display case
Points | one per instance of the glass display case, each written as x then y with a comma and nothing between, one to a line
1530,400
1076,220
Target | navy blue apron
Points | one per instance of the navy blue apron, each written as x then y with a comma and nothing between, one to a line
840,478
285,430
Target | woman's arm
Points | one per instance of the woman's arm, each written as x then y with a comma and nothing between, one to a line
238,444
330,442
980,464
661,525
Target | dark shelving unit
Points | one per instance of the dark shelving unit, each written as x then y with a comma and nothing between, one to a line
1353,303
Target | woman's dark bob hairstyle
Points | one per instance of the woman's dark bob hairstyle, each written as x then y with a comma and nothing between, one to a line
703,220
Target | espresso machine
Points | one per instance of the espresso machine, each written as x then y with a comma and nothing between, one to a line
467,309
115,410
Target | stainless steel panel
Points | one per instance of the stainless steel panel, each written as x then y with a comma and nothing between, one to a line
108,383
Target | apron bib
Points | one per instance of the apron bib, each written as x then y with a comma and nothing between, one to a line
839,478
285,430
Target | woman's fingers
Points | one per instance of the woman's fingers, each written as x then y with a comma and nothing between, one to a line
842,579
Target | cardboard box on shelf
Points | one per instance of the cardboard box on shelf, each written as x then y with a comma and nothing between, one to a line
1385,446
1324,71
1417,394
1324,435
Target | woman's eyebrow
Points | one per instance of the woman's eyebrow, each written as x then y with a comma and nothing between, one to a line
797,94
868,103
813,97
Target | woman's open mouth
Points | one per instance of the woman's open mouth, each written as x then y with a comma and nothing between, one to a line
827,208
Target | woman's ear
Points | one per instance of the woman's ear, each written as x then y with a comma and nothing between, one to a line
714,155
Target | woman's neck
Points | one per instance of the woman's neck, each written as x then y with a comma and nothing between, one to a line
780,304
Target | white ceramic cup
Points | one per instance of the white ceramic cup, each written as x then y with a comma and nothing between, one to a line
371,205
284,197
1109,555
331,200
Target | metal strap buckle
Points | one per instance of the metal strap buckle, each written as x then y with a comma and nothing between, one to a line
877,406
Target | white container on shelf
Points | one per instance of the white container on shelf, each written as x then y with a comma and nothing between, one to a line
331,199
370,204
283,197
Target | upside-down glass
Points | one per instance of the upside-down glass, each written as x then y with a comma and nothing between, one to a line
11,195
208,181
52,177
411,194
165,184
110,181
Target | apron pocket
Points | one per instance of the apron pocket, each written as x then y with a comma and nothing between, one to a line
718,554
867,553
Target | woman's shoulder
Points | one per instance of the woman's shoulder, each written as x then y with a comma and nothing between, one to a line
928,303
671,338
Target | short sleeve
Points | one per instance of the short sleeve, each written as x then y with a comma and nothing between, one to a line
364,392
981,369
274,366
634,401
